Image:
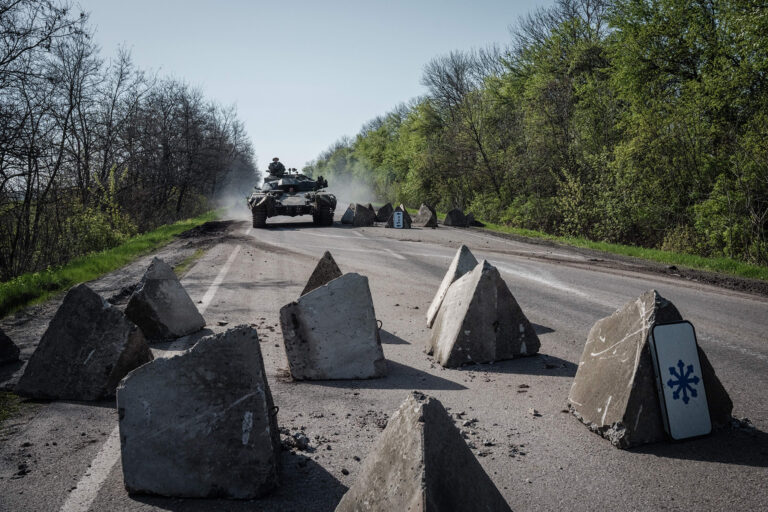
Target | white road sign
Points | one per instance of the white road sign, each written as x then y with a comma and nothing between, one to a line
679,380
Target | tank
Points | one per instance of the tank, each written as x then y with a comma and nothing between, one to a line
292,194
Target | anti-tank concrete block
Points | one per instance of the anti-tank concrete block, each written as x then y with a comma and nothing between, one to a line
161,306
384,213
349,215
406,215
421,463
363,216
201,424
480,321
455,218
462,262
406,218
331,332
426,217
88,347
614,391
325,271
9,352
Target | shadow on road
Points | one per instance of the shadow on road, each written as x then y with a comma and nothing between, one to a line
304,485
738,446
399,376
539,364
541,329
390,339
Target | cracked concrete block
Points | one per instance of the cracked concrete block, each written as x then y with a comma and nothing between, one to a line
325,271
421,463
363,216
426,217
349,215
9,352
201,424
455,218
462,262
406,218
384,212
480,321
88,347
161,306
331,332
614,391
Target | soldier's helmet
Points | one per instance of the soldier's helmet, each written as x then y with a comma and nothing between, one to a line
275,159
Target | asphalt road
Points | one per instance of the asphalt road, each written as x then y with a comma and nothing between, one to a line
546,462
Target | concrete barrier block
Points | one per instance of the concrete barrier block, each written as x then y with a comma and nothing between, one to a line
462,262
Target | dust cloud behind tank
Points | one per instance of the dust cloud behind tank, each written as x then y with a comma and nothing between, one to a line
292,194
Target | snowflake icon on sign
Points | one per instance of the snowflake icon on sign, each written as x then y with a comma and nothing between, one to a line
683,382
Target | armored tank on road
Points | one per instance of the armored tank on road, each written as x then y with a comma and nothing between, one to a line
292,193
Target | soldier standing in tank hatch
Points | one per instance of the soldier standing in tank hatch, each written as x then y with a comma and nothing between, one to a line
276,168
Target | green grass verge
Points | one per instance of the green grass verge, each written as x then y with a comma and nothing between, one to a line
723,265
187,262
9,405
38,286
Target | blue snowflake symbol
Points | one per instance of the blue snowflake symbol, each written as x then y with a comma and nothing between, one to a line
683,382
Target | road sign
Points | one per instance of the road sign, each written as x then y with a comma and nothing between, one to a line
397,220
679,380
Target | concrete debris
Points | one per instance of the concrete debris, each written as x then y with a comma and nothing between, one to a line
325,271
421,463
88,347
349,214
614,391
201,424
426,217
384,213
363,216
406,219
161,306
9,352
481,322
455,218
463,262
331,332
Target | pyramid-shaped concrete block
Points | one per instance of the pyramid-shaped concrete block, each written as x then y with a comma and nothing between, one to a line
426,217
406,215
349,215
462,262
480,322
384,212
363,216
406,218
331,332
614,391
9,352
201,424
421,463
455,218
88,347
325,271
161,306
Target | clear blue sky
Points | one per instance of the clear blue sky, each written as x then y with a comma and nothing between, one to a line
301,73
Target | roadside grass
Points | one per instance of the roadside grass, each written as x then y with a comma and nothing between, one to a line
691,261
187,262
36,287
9,405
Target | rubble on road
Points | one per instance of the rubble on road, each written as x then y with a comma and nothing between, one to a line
161,306
331,332
455,218
406,218
201,424
480,321
421,463
462,262
384,213
9,352
349,214
614,391
426,217
363,216
88,347
325,271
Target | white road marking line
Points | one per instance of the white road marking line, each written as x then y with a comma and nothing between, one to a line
83,495
396,255
359,234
